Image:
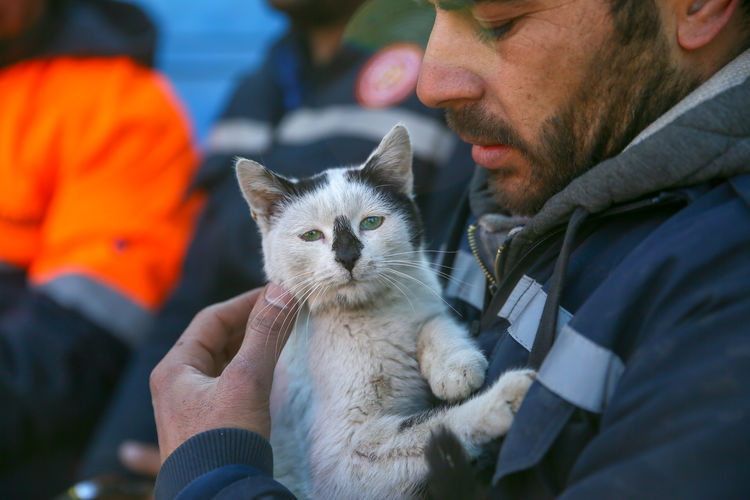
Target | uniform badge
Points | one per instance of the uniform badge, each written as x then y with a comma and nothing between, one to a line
390,76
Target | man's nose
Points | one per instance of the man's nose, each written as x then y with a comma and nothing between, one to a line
446,78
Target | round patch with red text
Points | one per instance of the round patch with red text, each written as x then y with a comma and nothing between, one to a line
390,76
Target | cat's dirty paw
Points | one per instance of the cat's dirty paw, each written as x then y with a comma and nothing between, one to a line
460,375
495,408
515,385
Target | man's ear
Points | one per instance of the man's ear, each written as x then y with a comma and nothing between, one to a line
701,21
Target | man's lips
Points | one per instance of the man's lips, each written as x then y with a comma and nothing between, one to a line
491,156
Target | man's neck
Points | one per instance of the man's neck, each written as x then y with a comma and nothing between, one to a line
324,42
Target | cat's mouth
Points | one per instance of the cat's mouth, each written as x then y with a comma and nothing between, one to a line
349,282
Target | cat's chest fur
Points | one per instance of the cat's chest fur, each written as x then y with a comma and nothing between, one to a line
357,354
339,369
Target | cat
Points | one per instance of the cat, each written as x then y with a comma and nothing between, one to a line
353,399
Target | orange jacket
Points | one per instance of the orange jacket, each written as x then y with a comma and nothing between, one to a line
95,162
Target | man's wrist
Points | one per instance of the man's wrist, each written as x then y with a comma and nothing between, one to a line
210,450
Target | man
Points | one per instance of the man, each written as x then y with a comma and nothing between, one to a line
95,162
316,102
623,129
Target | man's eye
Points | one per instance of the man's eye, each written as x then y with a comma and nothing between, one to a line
370,223
311,235
495,33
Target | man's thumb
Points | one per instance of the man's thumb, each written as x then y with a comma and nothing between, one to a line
268,327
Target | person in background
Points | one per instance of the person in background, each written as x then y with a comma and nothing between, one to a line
622,128
96,158
316,102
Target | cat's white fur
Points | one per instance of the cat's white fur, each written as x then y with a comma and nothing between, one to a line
369,345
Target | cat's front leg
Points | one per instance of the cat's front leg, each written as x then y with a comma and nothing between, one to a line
452,364
384,456
489,414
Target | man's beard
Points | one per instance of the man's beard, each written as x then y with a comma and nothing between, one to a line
624,89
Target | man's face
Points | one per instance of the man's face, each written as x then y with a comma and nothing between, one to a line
545,89
317,12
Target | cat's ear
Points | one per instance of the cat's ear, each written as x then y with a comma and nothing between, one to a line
390,163
263,190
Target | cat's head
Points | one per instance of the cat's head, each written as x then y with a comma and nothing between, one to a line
334,238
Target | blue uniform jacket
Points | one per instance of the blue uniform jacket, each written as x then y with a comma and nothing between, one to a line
630,291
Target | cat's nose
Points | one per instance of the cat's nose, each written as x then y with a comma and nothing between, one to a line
346,246
348,258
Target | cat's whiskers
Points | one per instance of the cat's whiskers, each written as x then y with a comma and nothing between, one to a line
427,267
285,323
315,286
425,285
393,282
420,256
425,250
297,291
307,289
418,265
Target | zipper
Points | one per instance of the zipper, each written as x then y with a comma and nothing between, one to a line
535,250
471,233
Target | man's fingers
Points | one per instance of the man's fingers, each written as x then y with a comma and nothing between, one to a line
268,328
233,313
140,457
212,337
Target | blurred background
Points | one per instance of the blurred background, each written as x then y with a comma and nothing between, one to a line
204,50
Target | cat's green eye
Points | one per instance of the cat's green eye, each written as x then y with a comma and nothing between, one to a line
370,223
311,235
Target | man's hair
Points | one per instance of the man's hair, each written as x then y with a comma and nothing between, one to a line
639,20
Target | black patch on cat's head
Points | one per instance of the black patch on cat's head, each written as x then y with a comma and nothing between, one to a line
306,185
396,199
293,189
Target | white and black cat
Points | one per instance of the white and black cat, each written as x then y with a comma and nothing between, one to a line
352,403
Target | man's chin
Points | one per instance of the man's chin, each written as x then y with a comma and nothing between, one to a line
515,196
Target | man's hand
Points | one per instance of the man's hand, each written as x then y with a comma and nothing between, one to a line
219,373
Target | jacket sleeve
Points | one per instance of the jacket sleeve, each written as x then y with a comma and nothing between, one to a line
678,422
233,463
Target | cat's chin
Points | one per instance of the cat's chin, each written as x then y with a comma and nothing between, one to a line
350,295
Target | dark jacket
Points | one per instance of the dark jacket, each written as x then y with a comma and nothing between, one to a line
631,291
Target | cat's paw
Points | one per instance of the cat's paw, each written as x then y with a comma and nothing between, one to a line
515,385
496,407
461,374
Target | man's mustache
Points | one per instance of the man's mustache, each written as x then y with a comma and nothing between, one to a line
473,123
